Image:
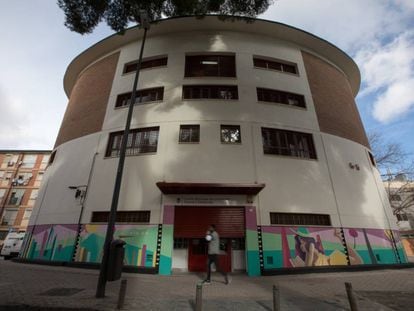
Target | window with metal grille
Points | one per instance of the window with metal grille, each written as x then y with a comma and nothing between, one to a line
230,134
142,96
143,140
123,216
189,133
395,197
210,66
280,97
300,219
153,62
210,92
275,65
288,143
16,197
180,243
402,217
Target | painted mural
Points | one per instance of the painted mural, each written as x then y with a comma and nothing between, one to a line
290,247
167,240
51,242
408,244
140,248
374,246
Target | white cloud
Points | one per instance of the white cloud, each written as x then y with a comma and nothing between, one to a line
375,33
348,24
388,70
395,102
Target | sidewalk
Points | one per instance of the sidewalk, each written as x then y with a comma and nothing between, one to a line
58,288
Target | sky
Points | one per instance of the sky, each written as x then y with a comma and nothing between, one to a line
36,49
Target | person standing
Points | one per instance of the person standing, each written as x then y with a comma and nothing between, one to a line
213,240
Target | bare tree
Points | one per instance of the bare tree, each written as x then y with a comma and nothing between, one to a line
397,167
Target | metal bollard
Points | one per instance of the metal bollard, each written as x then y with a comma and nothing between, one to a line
121,295
351,297
199,298
276,298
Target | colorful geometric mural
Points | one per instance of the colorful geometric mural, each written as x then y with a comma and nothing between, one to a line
167,240
373,246
289,247
140,247
252,245
408,244
51,242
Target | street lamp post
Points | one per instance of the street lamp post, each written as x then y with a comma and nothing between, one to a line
100,289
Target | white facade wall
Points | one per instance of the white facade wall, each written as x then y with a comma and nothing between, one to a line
326,185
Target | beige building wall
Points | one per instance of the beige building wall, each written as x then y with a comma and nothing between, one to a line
327,185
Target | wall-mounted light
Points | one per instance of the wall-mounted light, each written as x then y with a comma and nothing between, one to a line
80,191
354,166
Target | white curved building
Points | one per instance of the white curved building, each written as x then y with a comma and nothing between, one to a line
247,124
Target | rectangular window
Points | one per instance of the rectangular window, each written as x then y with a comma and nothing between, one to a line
9,217
9,160
123,216
402,217
39,178
23,179
33,197
45,161
142,96
372,159
143,140
180,243
52,157
275,65
2,192
189,133
300,219
230,134
210,66
288,143
29,160
16,197
395,197
26,217
210,92
153,62
6,179
281,97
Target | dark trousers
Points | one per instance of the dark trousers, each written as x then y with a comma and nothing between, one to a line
214,258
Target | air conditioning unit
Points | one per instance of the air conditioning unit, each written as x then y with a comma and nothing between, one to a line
10,163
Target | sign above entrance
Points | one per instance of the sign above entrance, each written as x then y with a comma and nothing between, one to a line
208,201
209,188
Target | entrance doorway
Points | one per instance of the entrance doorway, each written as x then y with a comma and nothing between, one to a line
197,255
191,224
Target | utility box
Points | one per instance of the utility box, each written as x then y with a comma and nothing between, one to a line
116,260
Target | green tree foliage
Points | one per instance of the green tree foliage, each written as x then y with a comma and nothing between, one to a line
83,16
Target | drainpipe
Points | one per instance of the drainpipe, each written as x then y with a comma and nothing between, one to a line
83,199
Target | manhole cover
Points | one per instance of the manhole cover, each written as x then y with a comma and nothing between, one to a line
61,291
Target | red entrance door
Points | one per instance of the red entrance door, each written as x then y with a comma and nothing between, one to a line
197,255
192,222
